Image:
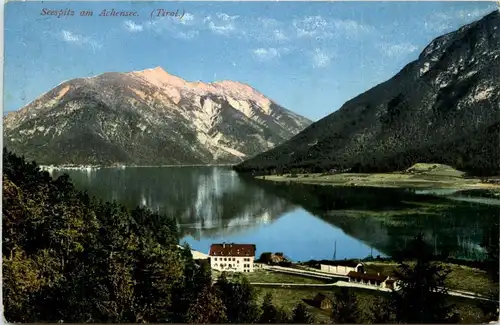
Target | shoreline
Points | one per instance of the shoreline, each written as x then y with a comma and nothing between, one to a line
384,180
94,167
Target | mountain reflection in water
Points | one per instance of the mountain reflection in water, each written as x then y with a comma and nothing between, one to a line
214,204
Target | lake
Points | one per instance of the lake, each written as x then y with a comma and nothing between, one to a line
214,204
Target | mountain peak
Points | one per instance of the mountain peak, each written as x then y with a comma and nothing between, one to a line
159,77
159,69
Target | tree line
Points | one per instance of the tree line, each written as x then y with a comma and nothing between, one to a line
70,257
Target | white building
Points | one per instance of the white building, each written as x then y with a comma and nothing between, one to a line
342,267
232,257
377,280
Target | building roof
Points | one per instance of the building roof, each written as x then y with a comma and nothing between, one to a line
232,249
321,297
364,276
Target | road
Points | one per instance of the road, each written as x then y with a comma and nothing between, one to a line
287,285
314,274
341,283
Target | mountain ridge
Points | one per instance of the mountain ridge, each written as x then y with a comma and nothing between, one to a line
148,117
449,93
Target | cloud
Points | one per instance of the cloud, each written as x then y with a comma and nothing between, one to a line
79,40
441,22
187,19
397,50
132,27
268,23
267,30
351,29
226,17
279,35
267,54
222,23
312,26
221,29
187,35
321,59
321,28
178,28
264,30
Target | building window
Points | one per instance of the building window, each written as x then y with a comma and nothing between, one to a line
238,261
225,258
229,265
215,258
234,259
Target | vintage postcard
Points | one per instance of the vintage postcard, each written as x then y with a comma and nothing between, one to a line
251,162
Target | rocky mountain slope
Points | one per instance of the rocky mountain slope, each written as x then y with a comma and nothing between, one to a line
148,117
443,107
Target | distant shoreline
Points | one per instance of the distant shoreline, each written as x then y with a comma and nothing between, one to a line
382,180
90,167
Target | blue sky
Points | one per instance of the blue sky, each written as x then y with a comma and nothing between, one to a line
308,57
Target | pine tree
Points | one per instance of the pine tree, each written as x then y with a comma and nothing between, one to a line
345,307
282,316
422,297
491,243
206,308
269,313
300,315
381,311
239,298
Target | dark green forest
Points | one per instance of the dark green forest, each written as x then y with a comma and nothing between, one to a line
476,154
68,257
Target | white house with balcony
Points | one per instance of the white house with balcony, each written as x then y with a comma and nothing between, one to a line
232,257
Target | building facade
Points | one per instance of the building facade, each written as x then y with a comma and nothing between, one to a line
342,268
232,257
376,280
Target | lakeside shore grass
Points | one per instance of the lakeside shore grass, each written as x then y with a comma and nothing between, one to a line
382,180
419,176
